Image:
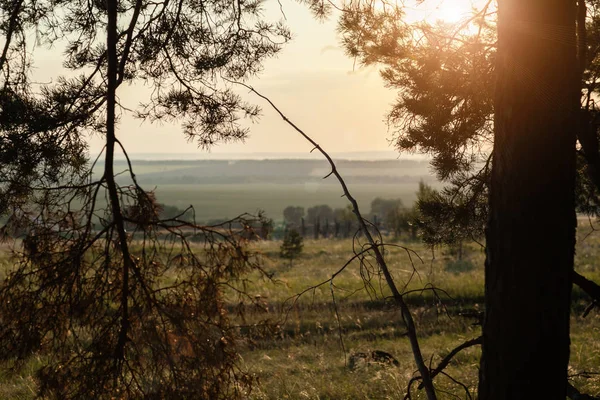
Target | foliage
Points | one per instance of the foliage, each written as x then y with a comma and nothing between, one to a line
395,216
450,216
321,212
266,226
180,342
444,74
401,220
445,107
293,215
292,245
41,134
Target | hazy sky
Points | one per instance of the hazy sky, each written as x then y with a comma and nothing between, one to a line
312,81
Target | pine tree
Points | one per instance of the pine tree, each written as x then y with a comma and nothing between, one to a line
97,309
292,245
514,83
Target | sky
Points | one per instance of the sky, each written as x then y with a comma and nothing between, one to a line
339,104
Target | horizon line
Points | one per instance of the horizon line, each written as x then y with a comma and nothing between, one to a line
376,155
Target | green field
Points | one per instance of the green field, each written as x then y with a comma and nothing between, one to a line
225,189
212,201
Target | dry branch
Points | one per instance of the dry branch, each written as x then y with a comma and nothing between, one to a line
588,286
446,360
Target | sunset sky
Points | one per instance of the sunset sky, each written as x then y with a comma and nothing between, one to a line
342,106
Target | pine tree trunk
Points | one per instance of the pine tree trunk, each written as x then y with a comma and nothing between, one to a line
531,230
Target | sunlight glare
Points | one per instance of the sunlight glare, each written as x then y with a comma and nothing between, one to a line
449,11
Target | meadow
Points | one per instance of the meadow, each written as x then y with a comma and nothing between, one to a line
301,337
314,354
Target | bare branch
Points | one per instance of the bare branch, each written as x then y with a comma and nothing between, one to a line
446,360
588,286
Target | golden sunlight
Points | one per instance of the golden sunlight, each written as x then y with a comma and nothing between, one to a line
450,11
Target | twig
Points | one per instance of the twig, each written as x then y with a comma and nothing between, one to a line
466,389
446,360
589,308
294,299
583,374
337,317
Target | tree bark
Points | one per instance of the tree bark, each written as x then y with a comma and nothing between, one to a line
109,175
531,228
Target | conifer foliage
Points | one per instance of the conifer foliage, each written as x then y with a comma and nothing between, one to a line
292,245
116,299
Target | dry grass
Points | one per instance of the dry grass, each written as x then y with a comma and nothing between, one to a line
306,356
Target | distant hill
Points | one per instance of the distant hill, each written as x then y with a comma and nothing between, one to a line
226,188
288,171
202,155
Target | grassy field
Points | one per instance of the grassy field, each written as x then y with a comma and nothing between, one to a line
309,354
226,189
312,357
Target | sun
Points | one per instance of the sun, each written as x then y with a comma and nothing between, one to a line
449,11
452,11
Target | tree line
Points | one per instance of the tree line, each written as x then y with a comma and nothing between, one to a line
389,216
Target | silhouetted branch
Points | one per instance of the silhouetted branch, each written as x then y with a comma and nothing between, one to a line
338,320
446,360
587,285
333,276
589,308
459,383
12,26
